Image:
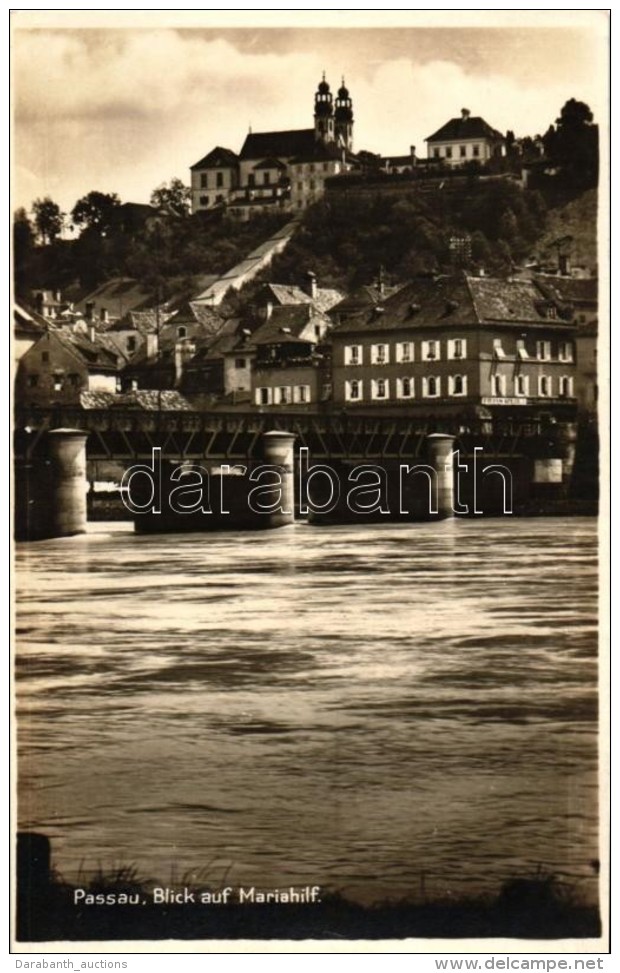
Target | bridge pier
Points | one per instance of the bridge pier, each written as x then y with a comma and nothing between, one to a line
279,450
439,448
51,491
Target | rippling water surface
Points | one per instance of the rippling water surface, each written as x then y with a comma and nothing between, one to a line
352,707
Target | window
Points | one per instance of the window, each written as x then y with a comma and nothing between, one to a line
203,180
404,388
74,380
522,385
353,390
301,393
182,331
544,385
380,388
204,200
266,178
457,348
498,351
131,343
219,180
543,350
312,167
317,331
404,351
498,385
251,179
566,387
239,362
457,385
565,351
33,381
45,356
463,151
476,151
326,167
449,152
283,395
521,349
431,387
353,355
263,396
430,350
436,153
380,354
300,186
58,382
312,184
219,198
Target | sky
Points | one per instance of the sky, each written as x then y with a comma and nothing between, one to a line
125,108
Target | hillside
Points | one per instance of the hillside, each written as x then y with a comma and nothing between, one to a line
576,219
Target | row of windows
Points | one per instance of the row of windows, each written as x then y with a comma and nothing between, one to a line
282,395
204,200
312,167
455,348
461,153
204,180
60,381
404,351
430,387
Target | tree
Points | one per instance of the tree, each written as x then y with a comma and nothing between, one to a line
48,219
95,211
23,246
175,196
573,144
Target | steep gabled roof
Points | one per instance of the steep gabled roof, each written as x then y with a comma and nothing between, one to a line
464,128
577,290
318,152
262,145
28,322
287,323
93,354
270,164
217,158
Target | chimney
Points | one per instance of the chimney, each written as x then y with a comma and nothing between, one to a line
268,310
311,284
103,314
564,264
381,282
412,154
465,113
88,310
152,345
58,296
92,334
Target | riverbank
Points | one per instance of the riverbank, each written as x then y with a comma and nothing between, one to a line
120,906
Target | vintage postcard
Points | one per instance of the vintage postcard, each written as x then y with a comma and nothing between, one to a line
310,420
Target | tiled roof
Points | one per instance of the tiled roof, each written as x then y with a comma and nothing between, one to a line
150,400
28,322
118,296
217,158
464,128
326,297
262,145
287,323
574,289
93,353
451,301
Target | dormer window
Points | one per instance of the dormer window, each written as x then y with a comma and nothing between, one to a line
521,349
498,351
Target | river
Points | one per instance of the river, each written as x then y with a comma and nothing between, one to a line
379,710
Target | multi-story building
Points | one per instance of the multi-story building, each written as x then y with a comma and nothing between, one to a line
447,344
465,139
279,170
289,369
61,365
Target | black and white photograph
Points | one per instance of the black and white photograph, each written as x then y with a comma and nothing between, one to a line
310,423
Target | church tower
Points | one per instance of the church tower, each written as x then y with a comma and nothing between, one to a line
323,113
343,118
